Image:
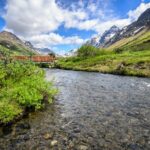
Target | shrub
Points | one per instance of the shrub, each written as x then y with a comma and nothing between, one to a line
22,84
118,50
88,51
8,111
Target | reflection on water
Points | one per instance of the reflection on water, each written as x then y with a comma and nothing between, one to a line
92,112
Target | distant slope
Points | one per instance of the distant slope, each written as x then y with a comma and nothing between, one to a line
140,41
136,30
46,51
14,44
101,41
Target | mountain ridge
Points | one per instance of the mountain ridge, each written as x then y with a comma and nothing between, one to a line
15,44
18,47
142,23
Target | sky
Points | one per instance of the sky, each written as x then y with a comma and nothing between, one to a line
64,25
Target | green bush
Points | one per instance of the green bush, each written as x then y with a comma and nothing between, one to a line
88,51
118,50
22,84
8,111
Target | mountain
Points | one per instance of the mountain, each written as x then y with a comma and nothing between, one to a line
45,51
94,41
114,34
107,36
29,44
14,44
71,53
143,23
135,36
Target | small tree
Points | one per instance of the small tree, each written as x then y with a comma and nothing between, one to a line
88,50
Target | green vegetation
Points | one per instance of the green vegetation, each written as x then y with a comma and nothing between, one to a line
22,85
130,59
88,51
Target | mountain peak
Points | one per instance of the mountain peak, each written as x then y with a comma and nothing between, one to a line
114,27
109,34
145,17
10,35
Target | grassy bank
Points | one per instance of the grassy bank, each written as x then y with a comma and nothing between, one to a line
129,56
134,63
22,86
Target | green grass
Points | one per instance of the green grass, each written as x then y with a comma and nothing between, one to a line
129,56
140,41
127,63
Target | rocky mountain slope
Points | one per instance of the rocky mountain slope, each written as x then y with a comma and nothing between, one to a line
143,23
114,34
14,44
18,47
45,51
107,36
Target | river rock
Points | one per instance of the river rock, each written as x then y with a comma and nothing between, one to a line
83,147
54,143
23,126
48,136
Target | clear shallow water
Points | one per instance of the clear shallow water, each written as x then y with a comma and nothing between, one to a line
92,111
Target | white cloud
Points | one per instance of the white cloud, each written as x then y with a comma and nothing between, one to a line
33,17
92,7
82,25
45,40
103,26
134,14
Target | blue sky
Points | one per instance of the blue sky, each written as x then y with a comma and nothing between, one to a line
63,25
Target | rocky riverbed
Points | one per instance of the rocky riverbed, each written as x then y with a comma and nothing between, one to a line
92,111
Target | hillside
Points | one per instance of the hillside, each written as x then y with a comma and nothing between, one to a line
136,42
14,44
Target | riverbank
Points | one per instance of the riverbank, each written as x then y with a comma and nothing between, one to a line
130,63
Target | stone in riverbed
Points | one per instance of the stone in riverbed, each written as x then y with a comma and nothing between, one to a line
54,143
48,136
83,147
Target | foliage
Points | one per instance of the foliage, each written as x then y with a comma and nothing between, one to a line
88,51
118,50
8,111
22,84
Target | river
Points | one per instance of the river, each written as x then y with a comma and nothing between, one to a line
92,111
